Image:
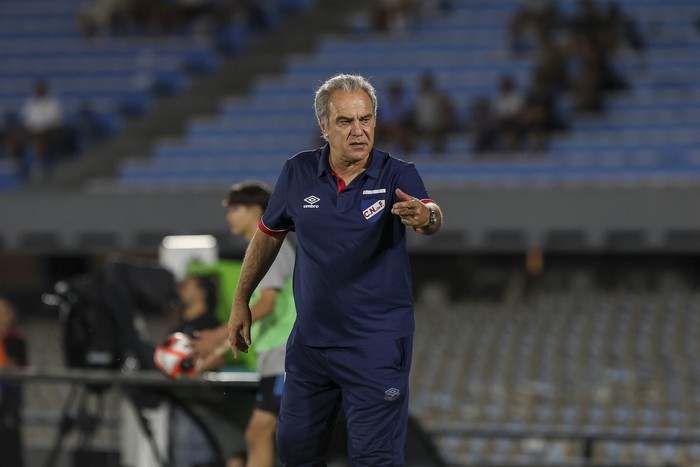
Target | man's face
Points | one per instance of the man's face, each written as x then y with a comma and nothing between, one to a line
242,218
350,127
190,292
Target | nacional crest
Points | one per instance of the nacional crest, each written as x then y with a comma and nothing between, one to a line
371,207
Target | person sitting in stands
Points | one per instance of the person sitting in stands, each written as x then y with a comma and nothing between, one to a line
393,118
42,117
433,114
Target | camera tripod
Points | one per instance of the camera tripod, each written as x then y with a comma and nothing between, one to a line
83,410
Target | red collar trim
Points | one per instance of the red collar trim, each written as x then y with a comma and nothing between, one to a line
341,182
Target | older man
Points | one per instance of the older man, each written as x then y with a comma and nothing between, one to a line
349,204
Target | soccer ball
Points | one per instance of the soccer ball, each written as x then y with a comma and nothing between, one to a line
172,357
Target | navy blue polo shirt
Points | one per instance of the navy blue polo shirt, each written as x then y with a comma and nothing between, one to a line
352,279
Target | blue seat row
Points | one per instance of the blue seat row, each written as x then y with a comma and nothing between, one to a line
218,172
205,179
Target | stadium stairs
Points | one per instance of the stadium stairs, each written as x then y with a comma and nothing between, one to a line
648,134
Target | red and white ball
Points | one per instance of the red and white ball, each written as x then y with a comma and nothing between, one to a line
173,356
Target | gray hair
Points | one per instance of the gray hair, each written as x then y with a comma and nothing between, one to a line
341,82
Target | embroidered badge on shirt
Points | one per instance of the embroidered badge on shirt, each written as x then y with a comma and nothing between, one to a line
371,207
374,192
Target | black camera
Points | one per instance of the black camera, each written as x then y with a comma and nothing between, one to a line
99,314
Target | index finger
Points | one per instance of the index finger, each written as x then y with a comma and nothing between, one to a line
238,342
403,205
233,342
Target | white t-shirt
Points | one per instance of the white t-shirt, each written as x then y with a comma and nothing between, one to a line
41,114
508,105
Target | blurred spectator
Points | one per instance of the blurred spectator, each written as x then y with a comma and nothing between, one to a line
588,19
85,129
189,444
621,30
13,140
394,15
592,47
432,115
430,8
509,106
197,298
400,16
583,66
534,18
593,74
42,117
165,17
171,16
588,97
13,353
587,83
551,63
393,117
147,16
483,127
102,17
185,12
540,115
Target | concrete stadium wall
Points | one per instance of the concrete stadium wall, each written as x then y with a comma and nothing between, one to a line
577,218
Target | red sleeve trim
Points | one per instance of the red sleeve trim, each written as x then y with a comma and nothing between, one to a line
270,232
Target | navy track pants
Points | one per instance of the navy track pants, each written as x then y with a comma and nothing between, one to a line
370,380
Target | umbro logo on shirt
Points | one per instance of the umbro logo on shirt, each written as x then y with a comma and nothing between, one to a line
312,200
392,394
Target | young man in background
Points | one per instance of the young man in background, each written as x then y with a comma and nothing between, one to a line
274,314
